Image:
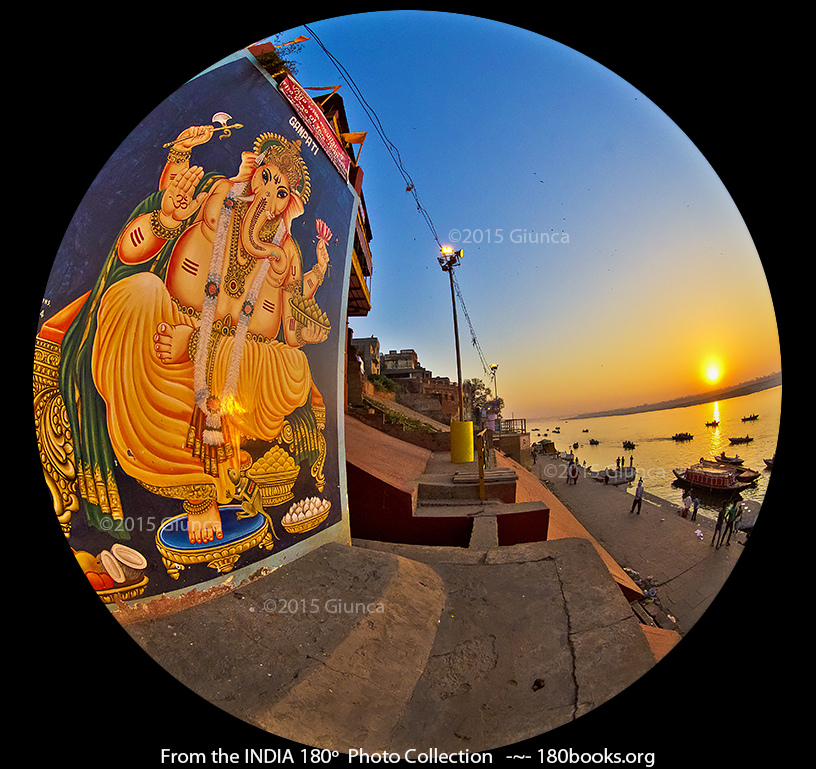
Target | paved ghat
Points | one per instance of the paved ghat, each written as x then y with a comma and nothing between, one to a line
658,543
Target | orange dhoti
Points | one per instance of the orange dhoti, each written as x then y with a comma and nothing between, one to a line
150,403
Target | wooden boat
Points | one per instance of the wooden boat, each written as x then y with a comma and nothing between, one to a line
750,418
595,442
735,460
710,478
746,439
743,474
628,445
611,477
682,436
714,423
769,462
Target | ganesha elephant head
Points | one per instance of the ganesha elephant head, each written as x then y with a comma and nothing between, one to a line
277,192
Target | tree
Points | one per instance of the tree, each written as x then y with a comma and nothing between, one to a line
279,62
481,396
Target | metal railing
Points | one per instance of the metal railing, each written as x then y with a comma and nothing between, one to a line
505,426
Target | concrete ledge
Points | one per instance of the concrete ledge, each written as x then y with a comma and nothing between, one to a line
473,648
323,651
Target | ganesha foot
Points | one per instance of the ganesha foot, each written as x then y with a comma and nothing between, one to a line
203,521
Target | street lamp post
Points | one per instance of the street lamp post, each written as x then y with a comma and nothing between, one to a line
493,368
448,261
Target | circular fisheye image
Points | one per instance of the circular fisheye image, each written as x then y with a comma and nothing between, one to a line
407,386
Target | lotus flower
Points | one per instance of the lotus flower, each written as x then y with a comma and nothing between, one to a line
323,231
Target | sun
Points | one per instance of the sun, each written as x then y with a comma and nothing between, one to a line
712,371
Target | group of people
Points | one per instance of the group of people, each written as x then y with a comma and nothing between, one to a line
690,504
727,522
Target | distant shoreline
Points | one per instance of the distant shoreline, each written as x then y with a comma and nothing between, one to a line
745,388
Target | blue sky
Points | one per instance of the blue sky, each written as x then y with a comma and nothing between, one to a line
508,134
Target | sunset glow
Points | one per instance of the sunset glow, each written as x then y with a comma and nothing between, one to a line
712,371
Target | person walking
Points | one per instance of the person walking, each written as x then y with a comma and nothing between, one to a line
638,497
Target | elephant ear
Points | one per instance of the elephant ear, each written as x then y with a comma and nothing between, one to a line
293,210
282,246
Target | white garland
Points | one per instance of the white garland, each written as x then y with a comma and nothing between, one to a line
212,434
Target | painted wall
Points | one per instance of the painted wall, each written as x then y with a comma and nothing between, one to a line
188,364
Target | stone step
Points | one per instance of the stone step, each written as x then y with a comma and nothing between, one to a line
465,485
490,476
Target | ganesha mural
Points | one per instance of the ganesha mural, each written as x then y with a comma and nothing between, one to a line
186,368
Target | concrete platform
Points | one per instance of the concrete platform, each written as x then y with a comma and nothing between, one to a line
404,494
688,571
391,647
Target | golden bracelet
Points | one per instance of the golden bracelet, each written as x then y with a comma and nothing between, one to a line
159,230
321,274
178,156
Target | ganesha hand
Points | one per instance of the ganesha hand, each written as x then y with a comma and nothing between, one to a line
179,201
312,333
324,235
193,136
322,256
247,167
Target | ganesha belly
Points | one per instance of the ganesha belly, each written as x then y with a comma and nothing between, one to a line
205,347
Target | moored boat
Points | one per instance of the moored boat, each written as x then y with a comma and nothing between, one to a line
743,474
710,478
616,477
749,512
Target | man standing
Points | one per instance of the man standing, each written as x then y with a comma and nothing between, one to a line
638,497
730,517
718,526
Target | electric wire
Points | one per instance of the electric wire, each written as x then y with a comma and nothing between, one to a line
378,127
409,182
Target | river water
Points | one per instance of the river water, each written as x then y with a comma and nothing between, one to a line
656,453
